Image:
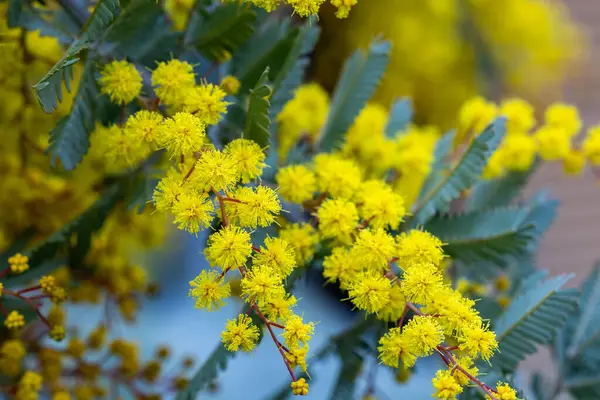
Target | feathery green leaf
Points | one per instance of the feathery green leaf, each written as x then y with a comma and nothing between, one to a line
257,120
401,115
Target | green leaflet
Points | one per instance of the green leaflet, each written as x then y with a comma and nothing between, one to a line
492,236
49,88
359,79
208,372
400,116
258,123
221,31
443,147
533,318
69,140
466,173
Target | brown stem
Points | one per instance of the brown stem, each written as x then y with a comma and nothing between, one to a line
31,304
276,325
486,388
30,289
224,220
401,320
256,249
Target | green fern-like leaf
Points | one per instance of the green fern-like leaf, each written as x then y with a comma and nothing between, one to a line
494,236
441,155
466,173
360,77
532,319
221,31
400,116
257,121
49,88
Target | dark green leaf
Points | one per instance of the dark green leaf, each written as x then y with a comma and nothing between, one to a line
360,77
257,120
222,31
587,330
466,173
441,159
400,116
22,14
49,88
532,319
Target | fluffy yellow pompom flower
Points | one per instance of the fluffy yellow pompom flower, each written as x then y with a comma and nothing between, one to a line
305,8
421,282
554,142
262,284
257,207
343,7
14,320
299,387
591,145
240,333
230,84
183,134
574,162
467,364
374,248
418,247
267,5
121,81
216,170
209,290
563,116
380,205
172,79
296,331
248,157
193,211
297,183
206,102
303,238
393,348
338,219
278,255
18,263
143,126
520,114
340,266
504,392
229,247
297,357
370,292
393,311
446,387
279,308
474,115
455,311
478,339
167,191
518,152
337,176
423,334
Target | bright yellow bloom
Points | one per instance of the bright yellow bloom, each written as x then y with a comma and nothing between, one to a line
18,263
518,152
29,386
121,81
467,364
215,169
297,357
418,247
574,162
504,392
240,332
193,211
446,387
554,142
183,134
343,7
421,282
455,312
337,176
393,348
12,353
563,116
296,331
520,114
478,339
423,334
143,126
230,85
474,115
209,290
297,183
380,205
268,5
340,266
303,238
374,248
305,8
172,79
299,387
278,255
370,291
591,145
167,191
279,308
206,102
14,320
257,207
262,284
338,219
395,307
229,247
47,284
248,157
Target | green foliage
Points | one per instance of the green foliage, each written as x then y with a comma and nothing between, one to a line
359,79
466,173
220,32
257,120
23,14
532,318
587,324
401,114
49,88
